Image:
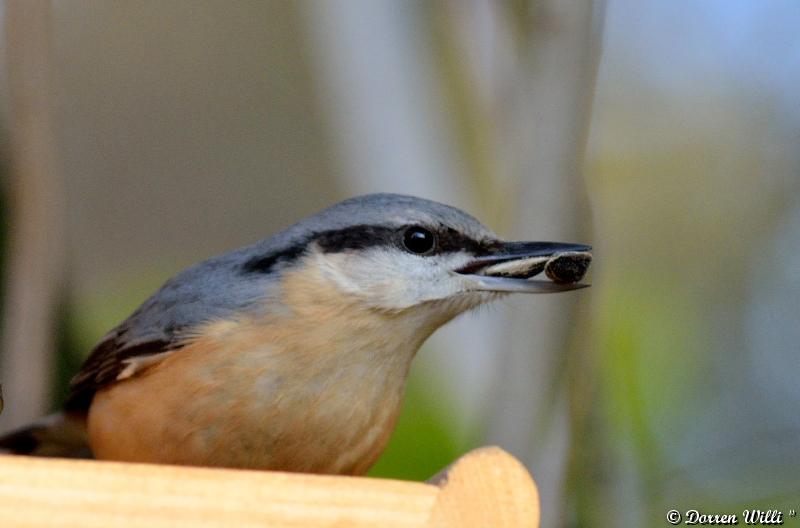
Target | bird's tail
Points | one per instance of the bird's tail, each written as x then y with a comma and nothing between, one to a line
58,435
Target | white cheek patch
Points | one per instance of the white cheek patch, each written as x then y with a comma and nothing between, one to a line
390,278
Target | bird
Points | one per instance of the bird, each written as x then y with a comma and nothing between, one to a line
291,354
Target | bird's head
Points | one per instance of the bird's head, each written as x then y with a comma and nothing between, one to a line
399,253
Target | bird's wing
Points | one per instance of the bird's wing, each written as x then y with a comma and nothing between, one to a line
108,361
212,290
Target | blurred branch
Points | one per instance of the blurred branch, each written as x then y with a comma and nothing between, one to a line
36,238
545,128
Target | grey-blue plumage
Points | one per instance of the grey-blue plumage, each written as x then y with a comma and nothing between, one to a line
239,281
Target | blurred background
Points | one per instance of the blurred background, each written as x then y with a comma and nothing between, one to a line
140,137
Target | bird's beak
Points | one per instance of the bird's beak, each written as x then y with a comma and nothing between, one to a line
510,266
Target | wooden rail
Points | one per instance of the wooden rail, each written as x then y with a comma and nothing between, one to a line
486,487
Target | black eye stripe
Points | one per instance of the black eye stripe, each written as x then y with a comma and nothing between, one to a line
452,241
264,264
449,240
357,237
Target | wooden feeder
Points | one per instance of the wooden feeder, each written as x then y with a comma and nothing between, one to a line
486,487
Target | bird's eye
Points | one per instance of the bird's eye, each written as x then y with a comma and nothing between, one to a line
418,240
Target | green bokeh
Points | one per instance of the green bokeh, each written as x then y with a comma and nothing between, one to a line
424,442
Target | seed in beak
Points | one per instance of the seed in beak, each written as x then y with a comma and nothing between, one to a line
567,268
520,268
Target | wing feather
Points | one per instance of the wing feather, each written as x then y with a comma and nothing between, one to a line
108,360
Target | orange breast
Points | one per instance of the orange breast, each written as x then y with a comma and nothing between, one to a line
314,388
222,405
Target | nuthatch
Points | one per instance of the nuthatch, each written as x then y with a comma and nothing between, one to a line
292,353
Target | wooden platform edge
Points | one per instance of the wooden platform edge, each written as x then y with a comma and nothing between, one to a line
485,487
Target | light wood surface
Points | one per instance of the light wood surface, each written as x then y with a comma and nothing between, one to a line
486,487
